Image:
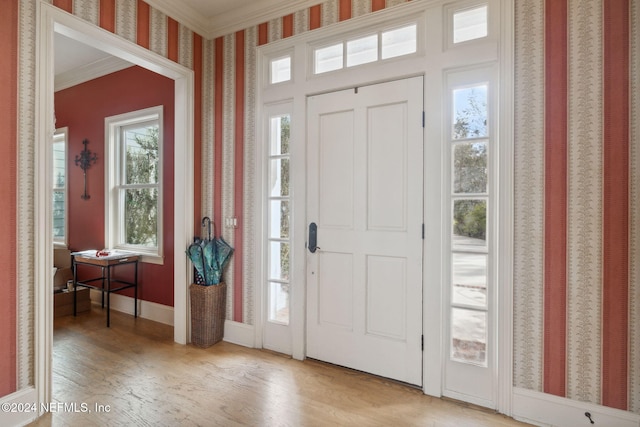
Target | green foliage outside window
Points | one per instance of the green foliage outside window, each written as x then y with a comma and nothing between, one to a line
141,204
285,135
470,166
59,187
470,218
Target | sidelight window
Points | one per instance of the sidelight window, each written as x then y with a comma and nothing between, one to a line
469,142
279,220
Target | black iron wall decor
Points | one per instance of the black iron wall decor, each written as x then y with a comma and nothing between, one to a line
85,159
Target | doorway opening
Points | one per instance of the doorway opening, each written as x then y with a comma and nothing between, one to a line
51,21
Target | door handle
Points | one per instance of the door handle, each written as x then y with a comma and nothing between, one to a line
313,238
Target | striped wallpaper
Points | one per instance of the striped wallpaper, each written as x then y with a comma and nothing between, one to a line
9,35
577,310
577,198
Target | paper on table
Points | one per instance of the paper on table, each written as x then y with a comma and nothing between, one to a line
114,254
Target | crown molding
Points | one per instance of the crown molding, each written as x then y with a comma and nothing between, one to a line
260,12
91,71
184,14
232,20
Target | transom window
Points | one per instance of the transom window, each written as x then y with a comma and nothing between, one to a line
364,49
470,23
280,69
135,181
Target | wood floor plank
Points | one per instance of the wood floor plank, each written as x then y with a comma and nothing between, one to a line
136,371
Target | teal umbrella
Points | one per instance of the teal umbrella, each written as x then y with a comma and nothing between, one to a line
196,255
210,256
223,253
210,264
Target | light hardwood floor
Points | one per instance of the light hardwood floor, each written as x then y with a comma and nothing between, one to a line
139,377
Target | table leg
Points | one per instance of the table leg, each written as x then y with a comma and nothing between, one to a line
108,297
103,287
135,291
75,280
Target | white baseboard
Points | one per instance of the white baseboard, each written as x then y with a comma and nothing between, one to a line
547,410
147,310
19,408
234,332
239,333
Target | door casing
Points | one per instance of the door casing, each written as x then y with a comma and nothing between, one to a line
50,20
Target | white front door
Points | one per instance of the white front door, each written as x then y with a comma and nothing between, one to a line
365,195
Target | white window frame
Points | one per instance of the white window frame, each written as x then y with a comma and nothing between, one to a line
114,228
275,335
462,6
267,71
268,237
62,135
464,78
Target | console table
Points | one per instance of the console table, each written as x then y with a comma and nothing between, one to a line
106,279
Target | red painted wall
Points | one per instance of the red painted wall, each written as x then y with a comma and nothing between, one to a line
8,147
83,109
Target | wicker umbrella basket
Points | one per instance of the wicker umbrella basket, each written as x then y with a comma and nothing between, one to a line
208,311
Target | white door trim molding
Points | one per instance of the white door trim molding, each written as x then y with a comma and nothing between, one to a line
50,20
504,315
21,399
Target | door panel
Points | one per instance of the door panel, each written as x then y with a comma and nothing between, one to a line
364,283
336,273
382,305
385,190
335,169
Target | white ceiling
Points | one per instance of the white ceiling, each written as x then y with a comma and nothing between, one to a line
71,54
211,8
214,18
76,62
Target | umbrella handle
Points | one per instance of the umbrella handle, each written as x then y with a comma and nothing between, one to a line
207,221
